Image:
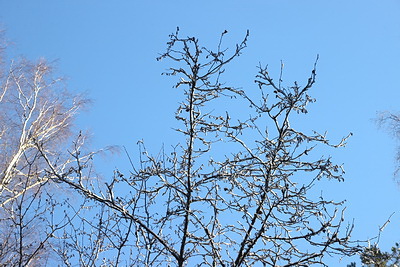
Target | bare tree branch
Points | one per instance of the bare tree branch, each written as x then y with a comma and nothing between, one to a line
256,203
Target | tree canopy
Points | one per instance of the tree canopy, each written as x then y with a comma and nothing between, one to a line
239,189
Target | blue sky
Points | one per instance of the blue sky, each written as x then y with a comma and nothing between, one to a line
108,49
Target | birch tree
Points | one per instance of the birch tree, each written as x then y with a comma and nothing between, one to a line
35,111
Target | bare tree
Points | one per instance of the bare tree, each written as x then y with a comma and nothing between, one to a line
35,109
391,122
237,191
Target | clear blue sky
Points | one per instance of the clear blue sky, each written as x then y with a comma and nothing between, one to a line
108,49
